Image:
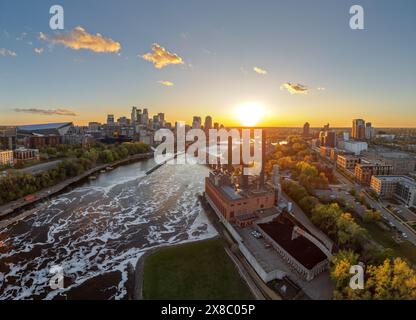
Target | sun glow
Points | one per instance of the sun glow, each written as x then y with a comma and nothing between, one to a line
249,114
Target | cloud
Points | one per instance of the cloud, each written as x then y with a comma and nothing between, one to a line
321,89
161,58
260,70
185,35
42,36
166,83
22,36
7,53
38,50
47,112
295,88
79,38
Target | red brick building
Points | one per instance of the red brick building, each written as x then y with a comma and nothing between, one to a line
237,206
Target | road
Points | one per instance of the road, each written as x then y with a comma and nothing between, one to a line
41,167
391,218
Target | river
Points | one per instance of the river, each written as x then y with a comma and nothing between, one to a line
95,230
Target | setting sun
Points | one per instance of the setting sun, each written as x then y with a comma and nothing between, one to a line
249,114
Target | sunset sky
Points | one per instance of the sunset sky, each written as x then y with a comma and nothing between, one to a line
297,59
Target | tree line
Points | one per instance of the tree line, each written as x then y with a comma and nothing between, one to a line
386,277
78,160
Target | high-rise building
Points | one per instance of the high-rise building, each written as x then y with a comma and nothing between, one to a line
155,122
330,139
139,116
161,119
369,131
122,121
208,123
145,117
196,123
110,119
133,115
306,128
358,129
8,137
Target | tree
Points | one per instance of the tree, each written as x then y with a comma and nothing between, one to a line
325,218
371,216
285,163
349,232
390,280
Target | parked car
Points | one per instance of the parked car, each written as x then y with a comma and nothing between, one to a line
256,234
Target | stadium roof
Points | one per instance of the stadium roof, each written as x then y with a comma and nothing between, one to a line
46,126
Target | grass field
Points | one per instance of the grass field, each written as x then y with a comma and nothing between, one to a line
199,270
404,249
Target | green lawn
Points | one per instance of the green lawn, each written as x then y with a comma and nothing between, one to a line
199,270
404,249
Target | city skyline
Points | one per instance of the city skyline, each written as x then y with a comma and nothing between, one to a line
201,59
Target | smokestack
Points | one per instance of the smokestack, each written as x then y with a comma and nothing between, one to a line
244,177
230,154
263,157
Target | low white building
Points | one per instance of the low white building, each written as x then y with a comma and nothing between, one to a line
355,147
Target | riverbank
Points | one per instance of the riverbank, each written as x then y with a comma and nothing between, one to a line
44,194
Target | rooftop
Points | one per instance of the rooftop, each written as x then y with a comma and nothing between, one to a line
45,126
355,142
303,250
231,193
404,179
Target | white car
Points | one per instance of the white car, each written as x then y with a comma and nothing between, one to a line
404,235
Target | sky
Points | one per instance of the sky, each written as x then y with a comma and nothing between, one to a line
295,60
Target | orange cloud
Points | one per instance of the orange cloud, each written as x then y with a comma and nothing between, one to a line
295,88
161,58
80,39
47,112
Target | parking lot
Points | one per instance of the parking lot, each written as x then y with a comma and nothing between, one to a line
320,288
403,212
340,193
